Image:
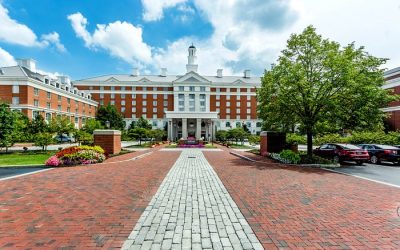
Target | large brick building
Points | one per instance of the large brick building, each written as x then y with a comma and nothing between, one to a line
392,78
188,105
36,94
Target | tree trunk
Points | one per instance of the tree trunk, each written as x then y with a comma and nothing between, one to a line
140,141
309,143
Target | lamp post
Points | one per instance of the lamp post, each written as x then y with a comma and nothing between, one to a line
108,124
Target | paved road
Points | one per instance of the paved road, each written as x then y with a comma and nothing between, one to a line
192,210
386,172
8,172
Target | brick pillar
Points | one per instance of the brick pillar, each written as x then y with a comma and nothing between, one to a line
263,143
109,140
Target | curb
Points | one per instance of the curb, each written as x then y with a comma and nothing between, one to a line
242,156
24,166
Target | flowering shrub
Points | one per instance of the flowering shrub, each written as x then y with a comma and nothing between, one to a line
77,156
53,161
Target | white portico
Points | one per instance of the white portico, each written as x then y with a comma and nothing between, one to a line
191,116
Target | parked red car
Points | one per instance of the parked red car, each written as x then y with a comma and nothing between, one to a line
342,152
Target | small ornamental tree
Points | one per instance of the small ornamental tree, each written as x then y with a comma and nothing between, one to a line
91,125
317,82
138,134
61,125
143,123
221,135
43,140
37,125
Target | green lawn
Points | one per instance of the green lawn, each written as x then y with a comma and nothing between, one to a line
240,146
28,158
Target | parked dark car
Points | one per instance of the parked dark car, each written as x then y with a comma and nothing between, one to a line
380,153
63,138
342,152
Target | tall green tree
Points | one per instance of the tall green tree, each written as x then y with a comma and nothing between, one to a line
110,114
318,81
7,126
143,123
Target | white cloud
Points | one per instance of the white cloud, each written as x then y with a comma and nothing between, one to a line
6,59
53,39
154,9
16,33
13,32
120,39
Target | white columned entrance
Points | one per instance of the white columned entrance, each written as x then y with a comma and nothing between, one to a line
184,128
198,129
170,133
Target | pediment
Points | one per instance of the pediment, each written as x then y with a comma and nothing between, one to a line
238,82
191,77
112,79
144,79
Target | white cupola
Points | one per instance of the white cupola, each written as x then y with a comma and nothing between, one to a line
191,65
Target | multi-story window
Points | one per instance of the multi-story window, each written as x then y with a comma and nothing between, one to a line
134,102
134,88
181,102
228,124
15,89
202,102
155,123
112,96
144,102
15,100
123,103
133,96
101,95
203,89
238,103
133,109
112,88
144,88
36,91
76,111
68,100
36,103
248,111
181,88
112,102
154,103
144,96
101,102
154,96
48,95
217,104
217,97
122,96
59,98
192,103
238,111
228,117
191,88
154,110
228,97
122,88
35,114
48,105
144,109
68,109
218,90
228,104
102,88
248,104
122,109
59,107
165,96
165,103
228,110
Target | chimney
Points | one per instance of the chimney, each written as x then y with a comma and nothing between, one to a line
219,73
27,63
135,72
163,72
246,73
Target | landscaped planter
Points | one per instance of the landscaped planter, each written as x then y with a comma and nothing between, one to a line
82,155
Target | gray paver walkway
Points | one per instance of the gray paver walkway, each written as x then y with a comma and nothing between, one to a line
192,210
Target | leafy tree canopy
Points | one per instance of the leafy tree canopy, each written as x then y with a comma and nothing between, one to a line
317,82
109,113
143,123
91,125
61,125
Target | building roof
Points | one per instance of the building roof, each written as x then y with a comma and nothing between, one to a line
168,78
391,71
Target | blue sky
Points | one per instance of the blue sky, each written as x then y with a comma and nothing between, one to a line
95,37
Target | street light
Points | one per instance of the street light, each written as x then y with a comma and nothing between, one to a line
108,124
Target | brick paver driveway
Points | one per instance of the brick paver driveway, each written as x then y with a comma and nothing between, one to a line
310,208
81,207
